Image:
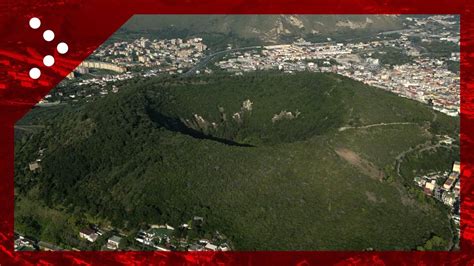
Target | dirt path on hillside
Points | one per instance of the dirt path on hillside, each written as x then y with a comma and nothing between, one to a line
29,127
363,165
419,148
377,125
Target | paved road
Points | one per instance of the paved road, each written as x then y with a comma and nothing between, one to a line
421,148
396,31
377,125
29,127
208,58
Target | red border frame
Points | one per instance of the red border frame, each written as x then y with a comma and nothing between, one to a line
84,25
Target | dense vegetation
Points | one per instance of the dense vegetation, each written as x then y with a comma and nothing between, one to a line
432,160
438,49
453,66
392,56
141,156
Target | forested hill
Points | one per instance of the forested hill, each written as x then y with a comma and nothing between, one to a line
274,161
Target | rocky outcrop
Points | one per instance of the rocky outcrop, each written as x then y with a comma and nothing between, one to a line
247,105
355,25
197,122
285,115
245,110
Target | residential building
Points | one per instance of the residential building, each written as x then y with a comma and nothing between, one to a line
113,242
88,234
457,167
450,181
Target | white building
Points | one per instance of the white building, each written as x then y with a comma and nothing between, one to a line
88,234
113,242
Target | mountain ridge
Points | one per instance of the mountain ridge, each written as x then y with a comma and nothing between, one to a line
267,29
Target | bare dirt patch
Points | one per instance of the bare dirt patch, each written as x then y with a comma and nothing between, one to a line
363,165
371,196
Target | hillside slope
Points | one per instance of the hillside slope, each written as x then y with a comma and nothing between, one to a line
262,157
260,28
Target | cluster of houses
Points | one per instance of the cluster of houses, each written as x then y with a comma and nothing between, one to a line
424,78
35,166
23,243
169,55
84,89
139,58
92,235
158,237
449,192
165,238
206,245
299,56
161,238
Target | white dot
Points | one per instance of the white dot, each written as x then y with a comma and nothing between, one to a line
62,48
48,35
35,73
48,60
35,23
